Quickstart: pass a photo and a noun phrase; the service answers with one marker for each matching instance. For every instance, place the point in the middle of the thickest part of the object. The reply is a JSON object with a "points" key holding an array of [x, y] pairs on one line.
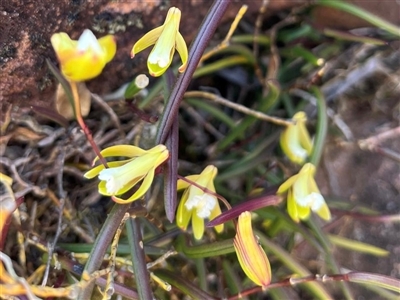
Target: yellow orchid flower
{"points": [[85, 58], [251, 256], [166, 38], [197, 204], [304, 195], [295, 140], [122, 175], [7, 199]]}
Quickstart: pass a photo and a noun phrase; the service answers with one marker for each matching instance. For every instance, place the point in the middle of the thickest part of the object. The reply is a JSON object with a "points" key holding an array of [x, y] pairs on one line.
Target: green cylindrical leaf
{"points": [[205, 250], [357, 246]]}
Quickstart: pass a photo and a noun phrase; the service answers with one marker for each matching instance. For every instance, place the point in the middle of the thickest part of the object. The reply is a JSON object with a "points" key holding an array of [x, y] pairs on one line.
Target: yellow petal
{"points": [[109, 47], [96, 170], [304, 136], [251, 256], [173, 16], [194, 192], [133, 151], [63, 46], [303, 212], [163, 51], [206, 177], [7, 203], [161, 153], [182, 184], [324, 212], [287, 184], [301, 187], [291, 146], [292, 207], [182, 214], [155, 70], [6, 179], [165, 44], [213, 173], [147, 40], [308, 168], [305, 139], [7, 199], [102, 188], [215, 213], [295, 140], [129, 185], [182, 50], [118, 200], [122, 150], [312, 185], [148, 179], [198, 226], [204, 180], [83, 66]]}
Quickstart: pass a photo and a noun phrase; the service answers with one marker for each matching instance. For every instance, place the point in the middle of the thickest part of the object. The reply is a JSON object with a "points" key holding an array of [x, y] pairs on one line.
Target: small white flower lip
{"points": [[87, 41], [317, 201], [190, 203], [298, 151], [203, 204], [113, 185], [313, 200], [303, 201], [158, 59]]}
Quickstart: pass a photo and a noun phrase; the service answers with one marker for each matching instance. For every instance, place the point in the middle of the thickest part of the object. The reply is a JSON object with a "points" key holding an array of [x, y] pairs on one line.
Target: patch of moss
{"points": [[111, 23], [6, 53]]}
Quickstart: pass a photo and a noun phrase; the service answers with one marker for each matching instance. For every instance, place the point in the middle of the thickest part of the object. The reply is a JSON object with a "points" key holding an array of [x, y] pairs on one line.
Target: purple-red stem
{"points": [[196, 51], [81, 122], [360, 277]]}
